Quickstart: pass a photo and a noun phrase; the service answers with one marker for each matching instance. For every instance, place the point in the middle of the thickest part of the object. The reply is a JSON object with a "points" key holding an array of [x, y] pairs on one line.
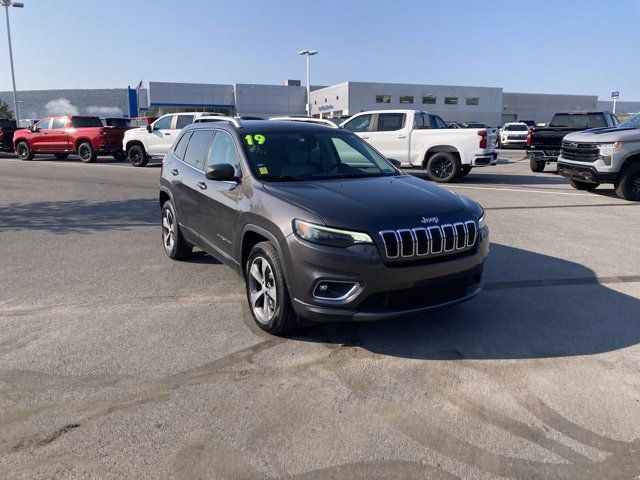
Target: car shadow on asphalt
{"points": [[501, 178], [80, 216], [532, 306]]}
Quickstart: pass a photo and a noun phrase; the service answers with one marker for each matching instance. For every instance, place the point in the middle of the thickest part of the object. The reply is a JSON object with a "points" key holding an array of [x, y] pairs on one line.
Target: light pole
{"points": [[308, 54], [7, 4]]}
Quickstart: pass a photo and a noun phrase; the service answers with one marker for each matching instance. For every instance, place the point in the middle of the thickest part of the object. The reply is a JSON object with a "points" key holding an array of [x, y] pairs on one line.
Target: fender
{"points": [[269, 236]]}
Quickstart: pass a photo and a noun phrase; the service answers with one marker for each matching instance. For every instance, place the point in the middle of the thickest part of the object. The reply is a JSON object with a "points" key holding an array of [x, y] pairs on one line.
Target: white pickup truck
{"points": [[420, 139]]}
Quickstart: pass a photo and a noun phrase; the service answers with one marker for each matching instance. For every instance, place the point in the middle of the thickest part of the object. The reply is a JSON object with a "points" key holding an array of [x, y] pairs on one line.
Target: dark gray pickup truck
{"points": [[544, 143]]}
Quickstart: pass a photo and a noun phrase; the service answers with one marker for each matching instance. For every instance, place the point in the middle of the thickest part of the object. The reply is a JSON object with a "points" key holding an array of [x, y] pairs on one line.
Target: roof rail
{"points": [[317, 121], [219, 118]]}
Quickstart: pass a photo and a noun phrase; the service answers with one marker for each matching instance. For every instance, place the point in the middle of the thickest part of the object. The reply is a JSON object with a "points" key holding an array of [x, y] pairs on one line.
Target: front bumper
{"points": [[384, 291], [585, 173]]}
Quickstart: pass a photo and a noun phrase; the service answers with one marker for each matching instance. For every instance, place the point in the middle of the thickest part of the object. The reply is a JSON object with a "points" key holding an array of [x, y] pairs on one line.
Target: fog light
{"points": [[334, 290], [606, 159]]}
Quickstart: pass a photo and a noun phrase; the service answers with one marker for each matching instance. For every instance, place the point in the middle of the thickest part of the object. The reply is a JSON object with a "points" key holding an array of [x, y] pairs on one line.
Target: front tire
{"points": [[24, 152], [267, 292], [628, 185], [588, 186], [86, 152], [175, 246], [61, 156], [443, 167], [137, 156], [536, 166]]}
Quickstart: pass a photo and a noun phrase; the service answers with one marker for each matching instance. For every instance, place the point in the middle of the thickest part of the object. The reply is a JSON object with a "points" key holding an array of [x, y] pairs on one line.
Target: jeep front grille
{"points": [[419, 242]]}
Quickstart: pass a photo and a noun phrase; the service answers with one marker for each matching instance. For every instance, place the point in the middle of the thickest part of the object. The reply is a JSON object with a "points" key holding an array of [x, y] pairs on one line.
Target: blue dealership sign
{"points": [[615, 94]]}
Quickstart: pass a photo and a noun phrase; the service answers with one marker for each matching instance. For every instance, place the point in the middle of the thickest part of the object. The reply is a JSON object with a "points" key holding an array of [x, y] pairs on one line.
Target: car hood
{"points": [[132, 131], [371, 204], [604, 135]]}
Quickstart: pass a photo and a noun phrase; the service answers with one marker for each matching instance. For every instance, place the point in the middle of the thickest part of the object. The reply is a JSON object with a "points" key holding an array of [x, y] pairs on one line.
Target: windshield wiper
{"points": [[279, 178]]}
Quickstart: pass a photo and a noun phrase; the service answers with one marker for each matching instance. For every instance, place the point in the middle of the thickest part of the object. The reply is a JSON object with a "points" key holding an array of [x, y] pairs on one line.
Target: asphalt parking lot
{"points": [[116, 362]]}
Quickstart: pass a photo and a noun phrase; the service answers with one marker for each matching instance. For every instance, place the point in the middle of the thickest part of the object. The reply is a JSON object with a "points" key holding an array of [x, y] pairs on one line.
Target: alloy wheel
{"points": [[263, 293], [84, 152], [22, 152], [442, 168], [168, 230], [635, 186]]}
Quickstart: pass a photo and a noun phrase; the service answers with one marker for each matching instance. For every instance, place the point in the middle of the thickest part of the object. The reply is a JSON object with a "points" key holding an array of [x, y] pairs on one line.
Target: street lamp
{"points": [[308, 53], [7, 4]]}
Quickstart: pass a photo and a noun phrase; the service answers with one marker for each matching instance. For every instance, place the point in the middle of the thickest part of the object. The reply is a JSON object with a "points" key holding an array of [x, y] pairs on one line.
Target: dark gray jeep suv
{"points": [[318, 223]]}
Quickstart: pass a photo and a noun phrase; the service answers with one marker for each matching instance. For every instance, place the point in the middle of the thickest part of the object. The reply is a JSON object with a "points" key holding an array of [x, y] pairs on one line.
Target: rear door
{"points": [[390, 136], [361, 125], [219, 201], [159, 141], [57, 135]]}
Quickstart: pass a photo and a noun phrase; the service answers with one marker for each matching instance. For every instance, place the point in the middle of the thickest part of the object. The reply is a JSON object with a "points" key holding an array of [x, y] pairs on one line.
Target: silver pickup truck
{"points": [[604, 155]]}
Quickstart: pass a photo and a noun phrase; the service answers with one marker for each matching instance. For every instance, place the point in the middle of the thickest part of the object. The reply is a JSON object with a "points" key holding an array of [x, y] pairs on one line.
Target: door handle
{"points": [[402, 136], [365, 138], [174, 172], [202, 185], [166, 134]]}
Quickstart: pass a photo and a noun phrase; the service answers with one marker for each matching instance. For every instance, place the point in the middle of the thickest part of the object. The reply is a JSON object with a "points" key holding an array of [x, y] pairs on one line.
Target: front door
{"points": [[389, 136], [162, 136], [219, 201], [40, 136]]}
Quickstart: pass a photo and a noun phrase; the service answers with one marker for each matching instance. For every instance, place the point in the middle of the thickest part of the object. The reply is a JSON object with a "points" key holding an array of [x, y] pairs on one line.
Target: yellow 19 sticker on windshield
{"points": [[263, 170], [256, 139]]}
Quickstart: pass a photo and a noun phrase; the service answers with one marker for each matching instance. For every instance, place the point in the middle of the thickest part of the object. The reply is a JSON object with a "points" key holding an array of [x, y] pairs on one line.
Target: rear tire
{"points": [[86, 152], [588, 186], [175, 246], [443, 167], [536, 166], [265, 279], [628, 185], [61, 156], [24, 152], [137, 156], [464, 171]]}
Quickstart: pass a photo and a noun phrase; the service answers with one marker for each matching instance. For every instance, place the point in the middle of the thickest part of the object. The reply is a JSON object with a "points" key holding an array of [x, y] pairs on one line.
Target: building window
{"points": [[325, 100], [473, 101], [383, 98], [337, 97], [450, 100], [406, 99], [429, 99]]}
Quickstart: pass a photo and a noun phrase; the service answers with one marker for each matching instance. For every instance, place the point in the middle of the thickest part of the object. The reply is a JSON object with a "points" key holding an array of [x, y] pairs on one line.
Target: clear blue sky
{"points": [[582, 47]]}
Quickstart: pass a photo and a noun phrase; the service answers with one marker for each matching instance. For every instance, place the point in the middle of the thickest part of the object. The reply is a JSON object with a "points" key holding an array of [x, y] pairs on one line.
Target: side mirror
{"points": [[222, 172], [394, 162], [149, 128], [31, 128]]}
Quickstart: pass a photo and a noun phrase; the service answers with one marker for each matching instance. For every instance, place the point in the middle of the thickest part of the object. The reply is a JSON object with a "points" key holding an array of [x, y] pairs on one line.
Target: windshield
{"points": [[631, 122], [578, 120], [516, 128], [317, 155]]}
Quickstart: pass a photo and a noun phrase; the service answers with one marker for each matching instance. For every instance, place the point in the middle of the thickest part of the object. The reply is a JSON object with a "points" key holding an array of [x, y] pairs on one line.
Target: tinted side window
{"points": [[44, 124], [183, 121], [359, 124], [197, 148], [437, 122], [181, 147], [388, 122], [58, 123], [223, 150], [164, 123], [85, 122], [421, 121]]}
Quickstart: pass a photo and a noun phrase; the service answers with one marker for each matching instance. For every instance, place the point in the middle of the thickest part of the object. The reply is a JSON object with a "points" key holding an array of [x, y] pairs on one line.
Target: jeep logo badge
{"points": [[430, 220]]}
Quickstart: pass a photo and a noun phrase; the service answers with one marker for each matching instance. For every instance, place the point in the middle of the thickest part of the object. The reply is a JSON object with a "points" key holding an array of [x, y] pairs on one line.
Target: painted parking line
{"points": [[524, 190]]}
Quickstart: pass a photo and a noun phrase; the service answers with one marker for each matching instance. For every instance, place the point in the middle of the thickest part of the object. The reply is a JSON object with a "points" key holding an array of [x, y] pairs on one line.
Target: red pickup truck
{"points": [[61, 136]]}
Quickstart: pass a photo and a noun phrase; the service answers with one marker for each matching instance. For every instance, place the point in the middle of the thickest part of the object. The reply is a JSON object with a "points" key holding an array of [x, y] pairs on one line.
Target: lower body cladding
{"points": [[354, 284]]}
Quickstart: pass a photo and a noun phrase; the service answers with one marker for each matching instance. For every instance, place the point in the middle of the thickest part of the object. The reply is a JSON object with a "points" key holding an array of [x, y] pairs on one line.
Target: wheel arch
{"points": [[632, 158], [164, 196], [132, 143], [251, 236], [431, 151], [82, 140]]}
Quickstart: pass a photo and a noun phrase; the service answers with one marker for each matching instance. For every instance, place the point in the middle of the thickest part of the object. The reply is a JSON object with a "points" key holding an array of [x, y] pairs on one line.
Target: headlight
{"points": [[608, 147], [481, 221], [332, 237]]}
